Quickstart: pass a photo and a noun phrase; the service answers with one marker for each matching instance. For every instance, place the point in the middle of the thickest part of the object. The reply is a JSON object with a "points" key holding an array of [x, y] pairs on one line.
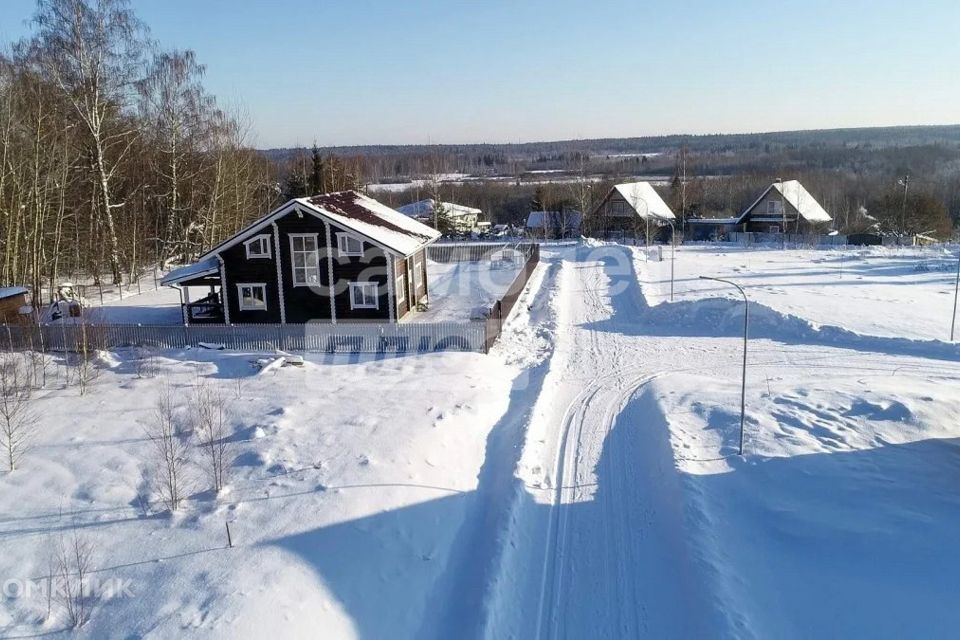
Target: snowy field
{"points": [[892, 292], [580, 481], [350, 486]]}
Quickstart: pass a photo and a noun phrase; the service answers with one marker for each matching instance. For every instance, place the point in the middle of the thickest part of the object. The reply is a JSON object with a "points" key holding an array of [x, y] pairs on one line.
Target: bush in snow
{"points": [[144, 362], [170, 451], [73, 560], [17, 418], [210, 424]]}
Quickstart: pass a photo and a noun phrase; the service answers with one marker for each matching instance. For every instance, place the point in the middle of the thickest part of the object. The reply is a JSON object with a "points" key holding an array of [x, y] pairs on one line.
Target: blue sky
{"points": [[391, 71]]}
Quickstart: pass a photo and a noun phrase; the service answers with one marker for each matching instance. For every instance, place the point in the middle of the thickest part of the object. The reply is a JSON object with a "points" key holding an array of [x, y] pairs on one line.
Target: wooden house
{"points": [[784, 204], [12, 301], [462, 219], [332, 257], [629, 209]]}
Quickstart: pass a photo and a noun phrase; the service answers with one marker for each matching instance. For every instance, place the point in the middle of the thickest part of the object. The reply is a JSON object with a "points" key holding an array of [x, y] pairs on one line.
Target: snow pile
{"points": [[841, 519]]}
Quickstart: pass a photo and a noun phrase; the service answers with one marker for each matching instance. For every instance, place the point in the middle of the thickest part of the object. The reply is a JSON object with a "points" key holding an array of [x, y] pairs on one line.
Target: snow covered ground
{"points": [[634, 517], [351, 483], [580, 481], [458, 290], [159, 306], [883, 291]]}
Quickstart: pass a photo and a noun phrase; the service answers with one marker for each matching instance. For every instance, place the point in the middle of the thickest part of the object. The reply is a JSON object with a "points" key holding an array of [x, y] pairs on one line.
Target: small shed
{"points": [[705, 229], [12, 300]]}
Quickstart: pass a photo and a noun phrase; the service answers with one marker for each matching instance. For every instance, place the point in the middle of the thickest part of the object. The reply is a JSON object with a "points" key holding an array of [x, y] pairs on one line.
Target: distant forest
{"points": [[857, 174]]}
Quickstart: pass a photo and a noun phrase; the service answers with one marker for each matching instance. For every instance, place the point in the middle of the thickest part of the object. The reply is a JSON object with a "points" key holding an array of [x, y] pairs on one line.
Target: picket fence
{"points": [[354, 337]]}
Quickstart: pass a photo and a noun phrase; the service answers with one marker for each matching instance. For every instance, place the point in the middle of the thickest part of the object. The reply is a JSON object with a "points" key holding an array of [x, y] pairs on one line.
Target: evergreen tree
{"points": [[318, 177], [296, 185], [441, 218]]}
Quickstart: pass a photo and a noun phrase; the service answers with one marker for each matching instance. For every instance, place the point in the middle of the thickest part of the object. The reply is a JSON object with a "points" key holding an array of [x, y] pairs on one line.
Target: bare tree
{"points": [[86, 367], [92, 51], [74, 561], [181, 117], [210, 426], [170, 452], [17, 418]]}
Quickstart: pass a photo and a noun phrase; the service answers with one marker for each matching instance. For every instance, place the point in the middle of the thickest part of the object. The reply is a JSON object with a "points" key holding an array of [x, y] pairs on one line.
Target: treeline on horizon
{"points": [[851, 171]]}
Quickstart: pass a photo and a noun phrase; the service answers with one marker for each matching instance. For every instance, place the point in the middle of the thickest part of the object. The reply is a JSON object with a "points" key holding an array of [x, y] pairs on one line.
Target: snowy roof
{"points": [[799, 198], [376, 221], [554, 219], [9, 292], [425, 208], [639, 193], [191, 271]]}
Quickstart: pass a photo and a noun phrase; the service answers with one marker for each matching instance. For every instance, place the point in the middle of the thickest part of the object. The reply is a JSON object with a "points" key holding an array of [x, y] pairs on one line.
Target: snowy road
{"points": [[630, 519], [607, 518]]}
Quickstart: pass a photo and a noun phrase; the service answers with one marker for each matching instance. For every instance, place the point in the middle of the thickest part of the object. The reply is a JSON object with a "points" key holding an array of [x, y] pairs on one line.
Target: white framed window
{"points": [[252, 296], [774, 228], [304, 259], [398, 284], [259, 247], [364, 295], [418, 274], [348, 245]]}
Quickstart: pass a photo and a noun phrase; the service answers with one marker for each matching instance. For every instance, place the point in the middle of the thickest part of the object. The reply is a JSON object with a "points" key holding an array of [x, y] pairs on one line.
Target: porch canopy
{"points": [[205, 273]]}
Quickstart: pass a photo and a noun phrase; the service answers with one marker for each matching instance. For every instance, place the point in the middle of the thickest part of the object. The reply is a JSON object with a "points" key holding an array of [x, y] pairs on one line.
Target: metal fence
{"points": [[793, 239], [501, 309], [354, 337], [473, 251]]}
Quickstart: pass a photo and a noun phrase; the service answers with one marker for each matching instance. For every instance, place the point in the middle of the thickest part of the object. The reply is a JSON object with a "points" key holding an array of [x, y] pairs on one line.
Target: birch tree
{"points": [[92, 52]]}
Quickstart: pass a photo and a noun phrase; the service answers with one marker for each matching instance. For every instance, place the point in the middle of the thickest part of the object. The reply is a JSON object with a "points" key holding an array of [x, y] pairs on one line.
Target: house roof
{"points": [[425, 208], [189, 272], [10, 292], [378, 222], [798, 197], [639, 193], [554, 218]]}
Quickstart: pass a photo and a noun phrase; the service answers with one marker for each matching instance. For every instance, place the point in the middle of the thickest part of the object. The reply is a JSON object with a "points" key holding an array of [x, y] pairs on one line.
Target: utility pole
{"points": [[956, 291], [683, 187], [905, 181], [783, 214]]}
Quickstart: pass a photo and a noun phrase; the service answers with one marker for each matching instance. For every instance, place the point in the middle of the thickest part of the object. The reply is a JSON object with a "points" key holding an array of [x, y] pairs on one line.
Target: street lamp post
{"points": [[746, 328], [783, 215], [956, 290], [673, 253]]}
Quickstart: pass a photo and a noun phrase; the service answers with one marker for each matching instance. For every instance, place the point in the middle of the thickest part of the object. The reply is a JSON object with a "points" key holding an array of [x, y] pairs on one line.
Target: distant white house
{"points": [[784, 203], [626, 207], [462, 218], [554, 224]]}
